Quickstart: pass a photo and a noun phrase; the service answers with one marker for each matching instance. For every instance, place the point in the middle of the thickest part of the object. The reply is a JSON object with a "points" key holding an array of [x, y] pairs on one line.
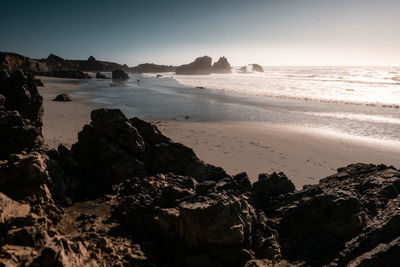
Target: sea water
{"points": [[359, 102]]}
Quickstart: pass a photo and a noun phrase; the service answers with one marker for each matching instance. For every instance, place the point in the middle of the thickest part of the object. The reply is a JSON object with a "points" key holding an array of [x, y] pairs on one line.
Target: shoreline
{"points": [[254, 147]]}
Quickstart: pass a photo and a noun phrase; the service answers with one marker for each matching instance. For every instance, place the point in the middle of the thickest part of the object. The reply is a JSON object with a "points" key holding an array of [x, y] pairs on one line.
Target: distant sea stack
{"points": [[221, 66], [251, 68], [152, 68], [201, 66], [119, 75]]}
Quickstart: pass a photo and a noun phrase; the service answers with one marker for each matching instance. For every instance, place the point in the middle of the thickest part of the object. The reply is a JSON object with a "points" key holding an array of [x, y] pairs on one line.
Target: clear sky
{"points": [[275, 32]]}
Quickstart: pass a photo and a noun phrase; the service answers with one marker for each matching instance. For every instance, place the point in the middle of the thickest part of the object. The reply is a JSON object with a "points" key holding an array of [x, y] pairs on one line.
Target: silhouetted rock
{"points": [[152, 68], [71, 74], [20, 114], [62, 98], [100, 76], [91, 59], [221, 66], [202, 65], [119, 75], [251, 68]]}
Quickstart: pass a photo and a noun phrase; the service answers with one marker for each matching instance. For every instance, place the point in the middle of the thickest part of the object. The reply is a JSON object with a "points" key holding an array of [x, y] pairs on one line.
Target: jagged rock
{"points": [[56, 63], [100, 76], [91, 59], [201, 66], [20, 114], [161, 155], [11, 212], [222, 227], [109, 148], [62, 98], [272, 185], [25, 177], [221, 66], [119, 75], [345, 216]]}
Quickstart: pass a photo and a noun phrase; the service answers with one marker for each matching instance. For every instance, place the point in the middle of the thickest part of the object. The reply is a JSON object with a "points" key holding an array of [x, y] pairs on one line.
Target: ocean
{"points": [[352, 102]]}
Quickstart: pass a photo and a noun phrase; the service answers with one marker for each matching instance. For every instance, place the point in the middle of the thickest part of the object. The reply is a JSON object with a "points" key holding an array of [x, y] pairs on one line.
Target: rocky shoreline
{"points": [[126, 195]]}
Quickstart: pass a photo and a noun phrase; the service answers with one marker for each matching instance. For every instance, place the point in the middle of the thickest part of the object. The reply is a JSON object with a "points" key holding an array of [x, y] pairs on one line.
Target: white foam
{"points": [[354, 85]]}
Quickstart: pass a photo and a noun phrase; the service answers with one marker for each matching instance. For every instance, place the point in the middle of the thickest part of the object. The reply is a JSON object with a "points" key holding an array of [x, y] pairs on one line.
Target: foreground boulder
{"points": [[119, 75], [348, 217], [193, 224], [107, 159], [201, 66], [221, 66]]}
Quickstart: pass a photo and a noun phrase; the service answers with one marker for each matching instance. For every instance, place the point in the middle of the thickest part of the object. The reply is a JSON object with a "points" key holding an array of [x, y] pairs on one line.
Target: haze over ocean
{"points": [[306, 32]]}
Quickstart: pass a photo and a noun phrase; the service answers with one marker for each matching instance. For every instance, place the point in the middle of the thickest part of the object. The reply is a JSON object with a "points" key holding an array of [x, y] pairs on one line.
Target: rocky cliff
{"points": [[53, 63], [126, 195]]}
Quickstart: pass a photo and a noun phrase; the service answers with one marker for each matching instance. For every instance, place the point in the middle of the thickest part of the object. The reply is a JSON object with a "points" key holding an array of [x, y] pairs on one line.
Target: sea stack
{"points": [[201, 66], [119, 75], [221, 66], [251, 68]]}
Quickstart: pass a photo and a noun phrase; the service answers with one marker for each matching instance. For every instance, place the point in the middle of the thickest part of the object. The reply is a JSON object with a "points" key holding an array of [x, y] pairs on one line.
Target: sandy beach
{"points": [[63, 120], [254, 147]]}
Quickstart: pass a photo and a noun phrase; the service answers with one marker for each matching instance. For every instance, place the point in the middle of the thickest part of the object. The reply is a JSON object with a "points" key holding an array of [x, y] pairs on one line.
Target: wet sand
{"points": [[255, 147]]}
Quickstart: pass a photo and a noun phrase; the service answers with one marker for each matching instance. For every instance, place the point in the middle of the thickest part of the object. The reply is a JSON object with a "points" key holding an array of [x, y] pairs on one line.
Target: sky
{"points": [[267, 32]]}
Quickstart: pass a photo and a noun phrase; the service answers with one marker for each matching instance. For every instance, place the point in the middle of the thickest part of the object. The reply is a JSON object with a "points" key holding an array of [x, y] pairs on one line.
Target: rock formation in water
{"points": [[119, 75], [100, 76], [221, 66], [126, 195], [152, 68], [201, 66], [251, 68]]}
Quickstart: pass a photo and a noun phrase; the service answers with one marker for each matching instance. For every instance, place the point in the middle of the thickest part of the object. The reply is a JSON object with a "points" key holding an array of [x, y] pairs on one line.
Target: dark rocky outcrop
{"points": [[56, 63], [62, 98], [251, 68], [201, 66], [152, 68], [70, 74], [20, 113], [126, 195], [100, 76], [46, 66], [221, 66], [119, 75], [12, 62]]}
